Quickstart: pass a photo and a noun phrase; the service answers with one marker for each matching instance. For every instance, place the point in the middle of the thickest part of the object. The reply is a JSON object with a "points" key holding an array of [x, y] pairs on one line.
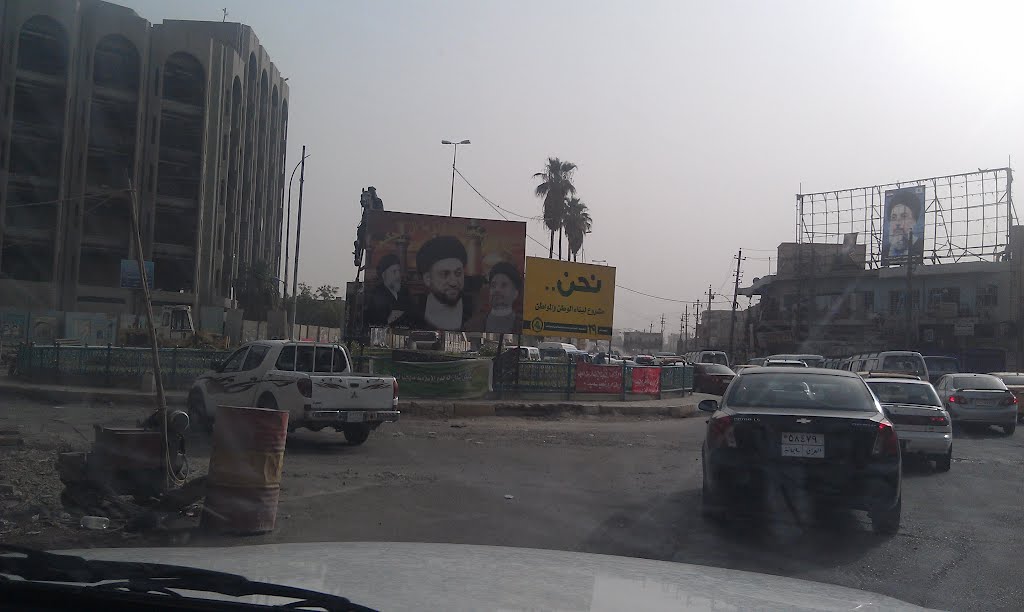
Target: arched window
{"points": [[43, 47], [184, 80], [116, 64]]}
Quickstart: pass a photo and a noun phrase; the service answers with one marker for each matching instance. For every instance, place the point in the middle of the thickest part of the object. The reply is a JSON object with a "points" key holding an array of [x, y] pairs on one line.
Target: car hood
{"points": [[407, 576]]}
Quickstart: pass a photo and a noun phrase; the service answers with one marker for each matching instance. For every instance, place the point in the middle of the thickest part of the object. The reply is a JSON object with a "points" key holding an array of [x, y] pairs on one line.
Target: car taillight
{"points": [[394, 389], [886, 442], [721, 433], [938, 420], [305, 387], [1010, 401], [957, 399]]}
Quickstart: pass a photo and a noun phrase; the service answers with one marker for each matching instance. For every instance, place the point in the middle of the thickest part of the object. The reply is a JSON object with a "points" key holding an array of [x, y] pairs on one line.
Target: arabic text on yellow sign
{"points": [[568, 299]]}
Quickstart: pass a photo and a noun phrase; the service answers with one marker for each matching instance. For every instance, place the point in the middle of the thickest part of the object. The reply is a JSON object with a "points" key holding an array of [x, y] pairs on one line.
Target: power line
{"points": [[491, 202]]}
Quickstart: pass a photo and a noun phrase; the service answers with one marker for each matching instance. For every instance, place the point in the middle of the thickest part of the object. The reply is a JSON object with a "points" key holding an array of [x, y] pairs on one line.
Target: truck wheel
{"points": [[267, 401], [197, 413], [356, 434]]}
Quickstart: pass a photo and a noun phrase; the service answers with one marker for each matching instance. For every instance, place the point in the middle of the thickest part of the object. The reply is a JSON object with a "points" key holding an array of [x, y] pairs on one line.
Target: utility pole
{"points": [[711, 296], [684, 328], [735, 296], [909, 301], [298, 236], [696, 321]]}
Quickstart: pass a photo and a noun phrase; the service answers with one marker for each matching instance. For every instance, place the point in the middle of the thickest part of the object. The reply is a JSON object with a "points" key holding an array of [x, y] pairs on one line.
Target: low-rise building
{"points": [[824, 300]]}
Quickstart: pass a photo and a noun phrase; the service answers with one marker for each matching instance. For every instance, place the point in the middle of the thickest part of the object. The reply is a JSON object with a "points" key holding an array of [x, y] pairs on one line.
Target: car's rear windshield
{"points": [[978, 382], [799, 390], [941, 365], [714, 368], [1013, 380], [718, 358], [904, 393], [911, 364]]}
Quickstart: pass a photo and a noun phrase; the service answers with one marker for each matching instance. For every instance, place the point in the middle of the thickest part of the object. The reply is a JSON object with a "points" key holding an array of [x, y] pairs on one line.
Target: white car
{"points": [[922, 423], [313, 382]]}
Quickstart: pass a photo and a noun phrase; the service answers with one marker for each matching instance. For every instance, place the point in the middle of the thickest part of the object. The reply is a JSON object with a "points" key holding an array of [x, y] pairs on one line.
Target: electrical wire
{"points": [[499, 209]]}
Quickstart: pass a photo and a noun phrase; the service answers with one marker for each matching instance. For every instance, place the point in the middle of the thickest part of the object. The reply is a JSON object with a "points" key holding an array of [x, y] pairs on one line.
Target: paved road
{"points": [[628, 487]]}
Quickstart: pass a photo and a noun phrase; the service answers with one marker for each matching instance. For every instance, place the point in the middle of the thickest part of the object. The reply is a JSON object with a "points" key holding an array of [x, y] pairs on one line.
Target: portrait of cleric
{"points": [[903, 225], [444, 273]]}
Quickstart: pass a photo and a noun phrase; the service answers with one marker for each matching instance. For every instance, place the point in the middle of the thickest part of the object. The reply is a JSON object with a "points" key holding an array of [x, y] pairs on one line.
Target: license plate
{"points": [[354, 417], [986, 402], [809, 445]]}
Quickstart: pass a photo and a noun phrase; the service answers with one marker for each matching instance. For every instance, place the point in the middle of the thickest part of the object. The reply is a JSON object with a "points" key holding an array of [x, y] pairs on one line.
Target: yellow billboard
{"points": [[568, 299]]}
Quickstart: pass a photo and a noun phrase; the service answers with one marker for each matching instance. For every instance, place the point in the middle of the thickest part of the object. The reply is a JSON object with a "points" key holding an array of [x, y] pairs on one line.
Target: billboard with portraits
{"points": [[903, 225], [443, 273]]}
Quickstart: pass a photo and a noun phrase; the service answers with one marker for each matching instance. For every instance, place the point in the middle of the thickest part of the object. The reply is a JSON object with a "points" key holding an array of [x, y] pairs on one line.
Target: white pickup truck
{"points": [[314, 382]]}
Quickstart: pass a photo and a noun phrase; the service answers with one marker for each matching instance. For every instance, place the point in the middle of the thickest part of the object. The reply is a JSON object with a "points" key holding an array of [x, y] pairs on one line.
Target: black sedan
{"points": [[711, 378], [805, 433]]}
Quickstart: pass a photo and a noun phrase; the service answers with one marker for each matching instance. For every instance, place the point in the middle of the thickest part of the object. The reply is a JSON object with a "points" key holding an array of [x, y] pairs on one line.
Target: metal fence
{"points": [[560, 377], [109, 366]]}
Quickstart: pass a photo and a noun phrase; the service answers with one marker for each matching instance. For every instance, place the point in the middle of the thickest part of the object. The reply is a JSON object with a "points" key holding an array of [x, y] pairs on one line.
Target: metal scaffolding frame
{"points": [[967, 216]]}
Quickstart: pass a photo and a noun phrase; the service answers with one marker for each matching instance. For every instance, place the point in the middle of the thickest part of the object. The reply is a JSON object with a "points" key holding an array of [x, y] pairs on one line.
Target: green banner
{"points": [[463, 379]]}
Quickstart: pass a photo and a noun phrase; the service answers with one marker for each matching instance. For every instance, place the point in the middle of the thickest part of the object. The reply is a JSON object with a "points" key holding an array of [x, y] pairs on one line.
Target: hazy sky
{"points": [[693, 123]]}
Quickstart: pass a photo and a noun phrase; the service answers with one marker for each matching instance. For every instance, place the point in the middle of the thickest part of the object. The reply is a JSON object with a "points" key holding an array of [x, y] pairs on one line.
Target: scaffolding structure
{"points": [[967, 216]]}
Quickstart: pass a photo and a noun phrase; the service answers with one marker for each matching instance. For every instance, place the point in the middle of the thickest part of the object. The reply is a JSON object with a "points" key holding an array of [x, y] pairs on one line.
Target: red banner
{"points": [[646, 380], [592, 378]]}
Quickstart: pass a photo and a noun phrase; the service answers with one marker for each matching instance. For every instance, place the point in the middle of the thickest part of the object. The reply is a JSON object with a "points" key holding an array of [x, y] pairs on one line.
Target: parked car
{"points": [[784, 363], [1014, 381], [645, 360], [817, 429], [711, 378], [708, 356], [812, 361], [980, 399], [908, 362], [915, 410], [939, 365], [757, 361], [314, 382]]}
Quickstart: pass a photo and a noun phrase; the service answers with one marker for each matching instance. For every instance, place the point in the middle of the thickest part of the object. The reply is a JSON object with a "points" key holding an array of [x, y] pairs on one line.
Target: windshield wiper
{"points": [[136, 577]]}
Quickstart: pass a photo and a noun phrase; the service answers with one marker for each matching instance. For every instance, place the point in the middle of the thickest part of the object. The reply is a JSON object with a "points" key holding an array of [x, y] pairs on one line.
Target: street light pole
{"points": [[288, 228], [298, 235], [455, 155]]}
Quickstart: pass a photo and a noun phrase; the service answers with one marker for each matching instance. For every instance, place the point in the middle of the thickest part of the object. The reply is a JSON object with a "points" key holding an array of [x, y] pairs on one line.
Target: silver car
{"points": [[922, 423], [979, 398]]}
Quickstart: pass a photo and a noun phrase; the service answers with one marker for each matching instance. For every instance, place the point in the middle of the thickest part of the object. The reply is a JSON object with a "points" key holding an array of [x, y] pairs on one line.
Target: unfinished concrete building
{"points": [[193, 113]]}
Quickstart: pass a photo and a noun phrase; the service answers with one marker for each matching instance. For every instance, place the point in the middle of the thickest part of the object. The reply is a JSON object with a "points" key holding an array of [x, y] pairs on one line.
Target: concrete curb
{"points": [[69, 395], [677, 407], [468, 409]]}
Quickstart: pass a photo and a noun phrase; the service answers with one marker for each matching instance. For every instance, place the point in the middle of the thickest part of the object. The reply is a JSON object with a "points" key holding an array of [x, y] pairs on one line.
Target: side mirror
{"points": [[708, 405]]}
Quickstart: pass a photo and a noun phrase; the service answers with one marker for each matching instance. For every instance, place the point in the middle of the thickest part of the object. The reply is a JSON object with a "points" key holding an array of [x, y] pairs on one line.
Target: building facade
{"points": [[824, 302], [97, 103]]}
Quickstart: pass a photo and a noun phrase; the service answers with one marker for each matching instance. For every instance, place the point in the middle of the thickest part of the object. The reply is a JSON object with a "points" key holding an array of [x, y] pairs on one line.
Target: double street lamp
{"points": [[451, 203]]}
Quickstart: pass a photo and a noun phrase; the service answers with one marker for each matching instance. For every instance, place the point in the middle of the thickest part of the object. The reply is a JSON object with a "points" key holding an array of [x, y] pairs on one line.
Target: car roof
{"points": [[913, 381], [1002, 373], [795, 370]]}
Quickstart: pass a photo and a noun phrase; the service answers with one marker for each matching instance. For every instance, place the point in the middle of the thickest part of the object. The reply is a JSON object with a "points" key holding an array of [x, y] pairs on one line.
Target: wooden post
{"points": [[161, 399]]}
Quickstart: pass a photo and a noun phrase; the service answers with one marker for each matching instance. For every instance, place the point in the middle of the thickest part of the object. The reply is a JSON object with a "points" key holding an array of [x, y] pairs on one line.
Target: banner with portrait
{"points": [[429, 272], [568, 299], [903, 225]]}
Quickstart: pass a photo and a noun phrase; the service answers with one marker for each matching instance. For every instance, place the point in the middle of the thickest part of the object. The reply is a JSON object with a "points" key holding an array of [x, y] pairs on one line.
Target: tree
{"points": [[577, 224], [556, 185], [256, 289], [320, 307]]}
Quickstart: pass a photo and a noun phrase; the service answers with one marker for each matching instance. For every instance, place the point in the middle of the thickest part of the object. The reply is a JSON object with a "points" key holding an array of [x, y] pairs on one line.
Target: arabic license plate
{"points": [[986, 403], [354, 417], [809, 445]]}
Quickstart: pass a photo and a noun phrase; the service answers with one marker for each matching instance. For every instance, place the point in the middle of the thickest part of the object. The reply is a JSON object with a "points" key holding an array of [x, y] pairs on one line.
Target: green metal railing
{"points": [[111, 366]]}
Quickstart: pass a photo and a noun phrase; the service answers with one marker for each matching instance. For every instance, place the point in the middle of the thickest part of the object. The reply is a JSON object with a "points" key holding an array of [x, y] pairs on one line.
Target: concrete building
{"points": [[825, 301], [194, 112]]}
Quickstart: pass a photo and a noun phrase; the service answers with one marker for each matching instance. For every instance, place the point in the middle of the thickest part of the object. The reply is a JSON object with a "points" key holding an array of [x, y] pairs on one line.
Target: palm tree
{"points": [[555, 187], [577, 224]]}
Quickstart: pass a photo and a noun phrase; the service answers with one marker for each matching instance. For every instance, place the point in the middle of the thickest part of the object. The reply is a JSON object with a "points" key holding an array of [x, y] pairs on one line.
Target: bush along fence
{"points": [[111, 366]]}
